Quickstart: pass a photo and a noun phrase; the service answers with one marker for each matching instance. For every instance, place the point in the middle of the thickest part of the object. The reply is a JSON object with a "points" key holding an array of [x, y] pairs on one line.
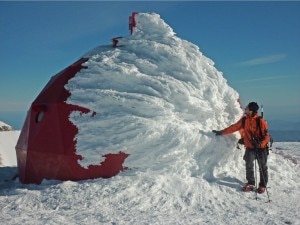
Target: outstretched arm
{"points": [[233, 128]]}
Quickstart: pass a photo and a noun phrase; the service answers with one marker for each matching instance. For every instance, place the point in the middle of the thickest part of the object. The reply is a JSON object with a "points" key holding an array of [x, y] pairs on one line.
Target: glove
{"points": [[217, 132]]}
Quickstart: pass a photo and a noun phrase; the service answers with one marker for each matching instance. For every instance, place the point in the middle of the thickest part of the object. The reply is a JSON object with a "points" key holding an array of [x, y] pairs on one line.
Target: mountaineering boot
{"points": [[248, 187], [261, 189]]}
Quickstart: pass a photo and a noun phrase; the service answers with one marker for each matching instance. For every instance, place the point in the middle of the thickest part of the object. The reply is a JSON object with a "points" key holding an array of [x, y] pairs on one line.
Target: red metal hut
{"points": [[46, 148]]}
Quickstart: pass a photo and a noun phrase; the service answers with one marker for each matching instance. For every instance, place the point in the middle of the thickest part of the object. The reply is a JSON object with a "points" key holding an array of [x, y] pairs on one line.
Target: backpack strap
{"points": [[243, 121], [258, 125]]}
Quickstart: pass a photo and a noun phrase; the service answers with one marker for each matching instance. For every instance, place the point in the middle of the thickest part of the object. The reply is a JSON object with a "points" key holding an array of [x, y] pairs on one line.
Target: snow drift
{"points": [[5, 127], [148, 97], [157, 98], [8, 141]]}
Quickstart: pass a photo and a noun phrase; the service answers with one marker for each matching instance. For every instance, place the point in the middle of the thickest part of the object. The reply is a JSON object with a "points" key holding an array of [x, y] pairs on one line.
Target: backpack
{"points": [[241, 140]]}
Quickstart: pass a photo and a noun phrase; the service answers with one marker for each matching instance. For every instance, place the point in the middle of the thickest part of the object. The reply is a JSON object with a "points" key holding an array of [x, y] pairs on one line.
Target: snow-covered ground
{"points": [[8, 140], [157, 98], [209, 194]]}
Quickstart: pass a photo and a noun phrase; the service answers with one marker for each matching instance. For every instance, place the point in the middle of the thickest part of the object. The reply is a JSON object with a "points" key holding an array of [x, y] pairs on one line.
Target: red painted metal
{"points": [[132, 22], [46, 146]]}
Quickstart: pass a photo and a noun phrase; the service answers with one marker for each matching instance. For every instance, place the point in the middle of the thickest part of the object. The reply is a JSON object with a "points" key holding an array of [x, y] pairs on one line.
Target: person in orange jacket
{"points": [[256, 138]]}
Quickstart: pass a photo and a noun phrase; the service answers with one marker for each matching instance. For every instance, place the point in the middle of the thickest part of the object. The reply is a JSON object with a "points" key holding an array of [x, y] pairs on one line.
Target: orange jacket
{"points": [[251, 130]]}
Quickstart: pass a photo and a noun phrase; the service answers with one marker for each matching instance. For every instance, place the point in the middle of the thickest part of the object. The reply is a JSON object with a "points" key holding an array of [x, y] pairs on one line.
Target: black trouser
{"points": [[262, 156]]}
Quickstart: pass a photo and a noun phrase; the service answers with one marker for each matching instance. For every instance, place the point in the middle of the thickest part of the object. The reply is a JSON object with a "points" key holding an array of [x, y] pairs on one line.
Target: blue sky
{"points": [[254, 44]]}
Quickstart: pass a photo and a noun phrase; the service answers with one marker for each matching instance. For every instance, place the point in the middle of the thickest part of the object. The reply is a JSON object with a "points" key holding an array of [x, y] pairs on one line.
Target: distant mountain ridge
{"points": [[285, 135], [284, 131], [5, 127], [284, 125], [8, 140]]}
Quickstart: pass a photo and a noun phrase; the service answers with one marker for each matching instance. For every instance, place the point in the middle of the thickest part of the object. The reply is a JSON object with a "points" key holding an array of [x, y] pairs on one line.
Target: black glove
{"points": [[217, 132]]}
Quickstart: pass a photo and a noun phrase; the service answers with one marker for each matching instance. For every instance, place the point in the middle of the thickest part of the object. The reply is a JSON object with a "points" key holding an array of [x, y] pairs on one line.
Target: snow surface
{"points": [[152, 94], [3, 124], [8, 140], [156, 97], [152, 196]]}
